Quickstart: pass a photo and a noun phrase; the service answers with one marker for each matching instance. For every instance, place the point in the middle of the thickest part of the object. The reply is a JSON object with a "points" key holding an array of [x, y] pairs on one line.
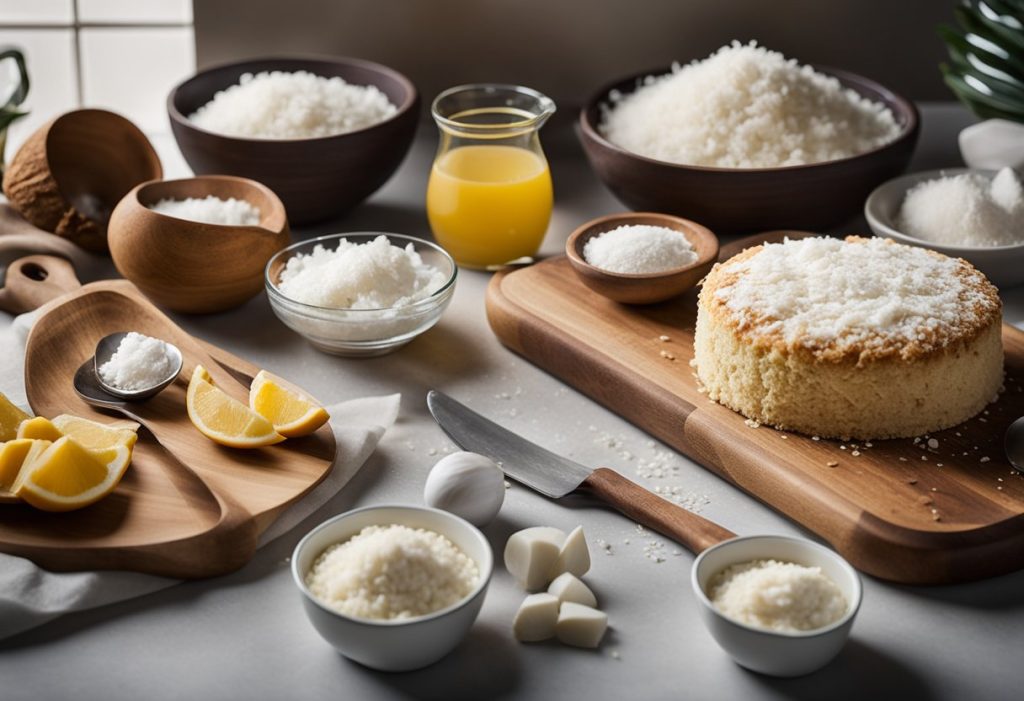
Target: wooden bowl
{"points": [[191, 266], [651, 287], [316, 178], [68, 176], [732, 200]]}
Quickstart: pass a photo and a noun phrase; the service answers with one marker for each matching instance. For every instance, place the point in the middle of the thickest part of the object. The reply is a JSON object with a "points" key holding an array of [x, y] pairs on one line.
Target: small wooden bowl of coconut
{"points": [[198, 245], [68, 176], [641, 257]]}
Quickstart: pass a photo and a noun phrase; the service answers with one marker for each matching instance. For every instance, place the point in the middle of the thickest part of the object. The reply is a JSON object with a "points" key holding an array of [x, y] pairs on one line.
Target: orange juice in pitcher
{"points": [[489, 197]]}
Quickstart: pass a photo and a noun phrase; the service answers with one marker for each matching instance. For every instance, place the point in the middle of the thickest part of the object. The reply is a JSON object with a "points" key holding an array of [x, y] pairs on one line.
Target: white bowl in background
{"points": [[1003, 265], [394, 645], [770, 652]]}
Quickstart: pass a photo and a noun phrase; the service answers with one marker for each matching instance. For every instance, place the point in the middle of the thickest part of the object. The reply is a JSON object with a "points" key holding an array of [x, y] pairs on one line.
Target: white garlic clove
{"points": [[536, 618], [574, 556], [579, 625], [569, 587], [468, 485], [532, 553]]}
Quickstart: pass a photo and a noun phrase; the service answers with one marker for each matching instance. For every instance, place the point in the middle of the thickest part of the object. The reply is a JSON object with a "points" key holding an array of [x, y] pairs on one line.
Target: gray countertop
{"points": [[245, 635]]}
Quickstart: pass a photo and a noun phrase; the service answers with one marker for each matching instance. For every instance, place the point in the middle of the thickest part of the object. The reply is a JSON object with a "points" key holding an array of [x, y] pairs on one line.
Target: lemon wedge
{"points": [[40, 428], [10, 418], [292, 413], [223, 419], [14, 454], [97, 436], [67, 475]]}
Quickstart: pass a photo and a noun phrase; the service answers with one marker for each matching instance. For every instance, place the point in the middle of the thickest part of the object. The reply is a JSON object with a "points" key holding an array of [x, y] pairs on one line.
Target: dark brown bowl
{"points": [[731, 200], [316, 178], [648, 288]]}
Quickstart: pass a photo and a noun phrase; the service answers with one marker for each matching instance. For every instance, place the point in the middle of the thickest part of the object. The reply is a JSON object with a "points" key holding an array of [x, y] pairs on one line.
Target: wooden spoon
{"points": [[187, 507]]}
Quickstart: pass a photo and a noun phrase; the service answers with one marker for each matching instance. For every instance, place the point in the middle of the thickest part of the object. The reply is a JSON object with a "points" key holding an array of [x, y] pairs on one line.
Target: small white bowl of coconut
{"points": [[977, 215]]}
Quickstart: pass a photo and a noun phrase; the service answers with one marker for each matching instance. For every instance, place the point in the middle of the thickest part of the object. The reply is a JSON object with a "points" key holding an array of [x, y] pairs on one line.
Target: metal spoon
{"points": [[1013, 444], [107, 347], [87, 386]]}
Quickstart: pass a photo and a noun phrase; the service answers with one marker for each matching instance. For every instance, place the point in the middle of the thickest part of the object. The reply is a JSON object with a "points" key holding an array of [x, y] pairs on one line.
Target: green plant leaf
{"points": [[997, 11], [21, 91], [972, 91], [981, 110], [1010, 90], [960, 47], [9, 116], [1010, 39], [1015, 6]]}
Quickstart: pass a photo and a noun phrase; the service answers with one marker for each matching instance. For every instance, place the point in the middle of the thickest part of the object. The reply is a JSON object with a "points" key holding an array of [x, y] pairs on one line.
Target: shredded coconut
{"points": [[639, 249], [372, 275], [779, 596], [862, 295], [746, 107], [210, 210], [392, 572], [138, 363], [300, 105], [966, 210]]}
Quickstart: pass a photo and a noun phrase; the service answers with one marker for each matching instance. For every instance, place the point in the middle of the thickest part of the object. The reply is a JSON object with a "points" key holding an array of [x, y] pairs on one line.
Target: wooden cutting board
{"points": [[897, 510], [186, 507]]}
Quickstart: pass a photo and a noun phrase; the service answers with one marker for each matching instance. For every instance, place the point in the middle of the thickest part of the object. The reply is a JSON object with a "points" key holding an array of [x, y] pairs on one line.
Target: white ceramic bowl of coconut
{"points": [[977, 215], [394, 587]]}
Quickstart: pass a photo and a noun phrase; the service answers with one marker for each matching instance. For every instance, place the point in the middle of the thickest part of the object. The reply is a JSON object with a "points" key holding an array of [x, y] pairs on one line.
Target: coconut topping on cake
{"points": [[861, 297]]}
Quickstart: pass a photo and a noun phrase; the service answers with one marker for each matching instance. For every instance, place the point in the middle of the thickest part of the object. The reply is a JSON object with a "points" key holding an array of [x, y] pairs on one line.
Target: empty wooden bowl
{"points": [[650, 287], [737, 200], [68, 176], [191, 266], [316, 178]]}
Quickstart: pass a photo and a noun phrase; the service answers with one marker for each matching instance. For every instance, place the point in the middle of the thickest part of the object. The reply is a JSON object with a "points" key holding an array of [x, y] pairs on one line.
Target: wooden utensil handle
{"points": [[33, 281], [694, 532]]}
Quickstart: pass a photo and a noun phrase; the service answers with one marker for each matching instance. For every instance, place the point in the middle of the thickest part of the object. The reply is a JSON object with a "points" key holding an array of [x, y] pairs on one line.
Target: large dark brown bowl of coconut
{"points": [[322, 133], [746, 140]]}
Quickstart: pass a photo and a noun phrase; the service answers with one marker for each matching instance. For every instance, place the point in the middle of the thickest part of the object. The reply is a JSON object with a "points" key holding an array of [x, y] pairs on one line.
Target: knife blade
{"points": [[526, 462], [555, 476]]}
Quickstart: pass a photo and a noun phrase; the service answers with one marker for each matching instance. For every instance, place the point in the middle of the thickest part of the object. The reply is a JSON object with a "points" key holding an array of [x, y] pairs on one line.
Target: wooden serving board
{"points": [[186, 507], [897, 510]]}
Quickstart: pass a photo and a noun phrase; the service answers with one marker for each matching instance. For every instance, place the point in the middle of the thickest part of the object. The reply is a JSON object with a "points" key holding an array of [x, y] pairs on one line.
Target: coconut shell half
{"points": [[71, 173]]}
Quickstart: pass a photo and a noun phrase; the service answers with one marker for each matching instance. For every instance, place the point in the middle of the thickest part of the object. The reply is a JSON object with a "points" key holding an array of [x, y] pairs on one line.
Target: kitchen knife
{"points": [[555, 476]]}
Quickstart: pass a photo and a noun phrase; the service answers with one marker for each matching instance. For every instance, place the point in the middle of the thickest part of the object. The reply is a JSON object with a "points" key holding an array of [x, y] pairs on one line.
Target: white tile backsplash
{"points": [[131, 70], [50, 57], [36, 12], [135, 11]]}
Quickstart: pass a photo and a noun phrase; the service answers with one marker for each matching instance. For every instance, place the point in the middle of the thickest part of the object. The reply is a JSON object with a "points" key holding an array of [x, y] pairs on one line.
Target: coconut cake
{"points": [[856, 338]]}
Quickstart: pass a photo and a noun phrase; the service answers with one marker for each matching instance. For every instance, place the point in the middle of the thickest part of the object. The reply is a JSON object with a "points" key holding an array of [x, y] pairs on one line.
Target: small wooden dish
{"points": [[646, 288], [191, 266]]}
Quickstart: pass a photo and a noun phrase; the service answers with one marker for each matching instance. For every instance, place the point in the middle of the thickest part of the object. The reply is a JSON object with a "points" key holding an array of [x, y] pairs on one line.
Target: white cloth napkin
{"points": [[30, 596]]}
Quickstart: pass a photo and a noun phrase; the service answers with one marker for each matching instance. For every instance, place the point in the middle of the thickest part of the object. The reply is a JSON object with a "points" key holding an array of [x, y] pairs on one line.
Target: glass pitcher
{"points": [[489, 197]]}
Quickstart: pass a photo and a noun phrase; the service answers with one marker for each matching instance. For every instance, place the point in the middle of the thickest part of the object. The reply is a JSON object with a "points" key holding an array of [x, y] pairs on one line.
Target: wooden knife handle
{"points": [[694, 532]]}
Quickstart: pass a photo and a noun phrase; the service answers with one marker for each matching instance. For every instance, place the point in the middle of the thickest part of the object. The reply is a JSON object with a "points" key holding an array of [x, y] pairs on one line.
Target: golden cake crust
{"points": [[980, 311], [877, 383]]}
